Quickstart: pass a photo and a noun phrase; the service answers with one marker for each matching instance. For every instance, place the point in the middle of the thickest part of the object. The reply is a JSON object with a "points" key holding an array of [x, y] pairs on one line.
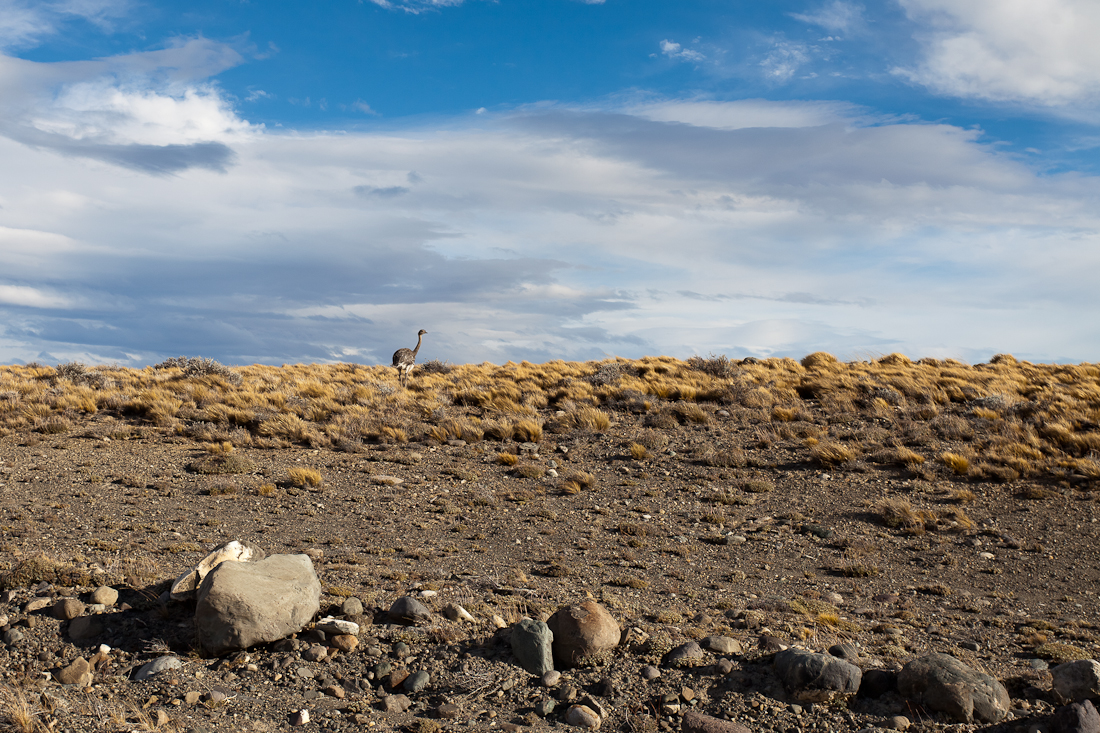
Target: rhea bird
{"points": [[405, 359]]}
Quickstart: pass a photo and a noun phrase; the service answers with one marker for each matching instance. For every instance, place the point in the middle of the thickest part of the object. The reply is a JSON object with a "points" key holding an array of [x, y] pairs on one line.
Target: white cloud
{"points": [[1044, 53], [837, 17], [416, 6], [784, 60], [684, 226], [676, 51], [32, 297]]}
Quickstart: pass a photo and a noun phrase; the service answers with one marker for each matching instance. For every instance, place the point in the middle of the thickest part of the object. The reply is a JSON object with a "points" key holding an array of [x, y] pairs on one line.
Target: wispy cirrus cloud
{"points": [[836, 17], [416, 6]]}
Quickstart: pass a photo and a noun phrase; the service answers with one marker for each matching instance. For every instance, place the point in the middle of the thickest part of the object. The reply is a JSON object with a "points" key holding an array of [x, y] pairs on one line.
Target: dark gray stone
{"points": [[941, 682], [532, 643], [877, 682], [803, 671], [846, 651], [684, 655], [1078, 717], [417, 681], [408, 610], [695, 722], [241, 604]]}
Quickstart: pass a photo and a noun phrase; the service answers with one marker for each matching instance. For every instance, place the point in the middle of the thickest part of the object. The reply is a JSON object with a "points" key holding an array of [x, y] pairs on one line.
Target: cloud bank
{"points": [[142, 217]]}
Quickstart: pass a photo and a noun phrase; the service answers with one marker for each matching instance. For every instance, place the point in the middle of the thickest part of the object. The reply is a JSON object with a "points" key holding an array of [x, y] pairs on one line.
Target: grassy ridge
{"points": [[1002, 420]]}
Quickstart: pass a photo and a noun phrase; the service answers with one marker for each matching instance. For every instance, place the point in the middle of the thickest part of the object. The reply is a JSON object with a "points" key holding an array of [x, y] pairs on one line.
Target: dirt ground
{"points": [[778, 551]]}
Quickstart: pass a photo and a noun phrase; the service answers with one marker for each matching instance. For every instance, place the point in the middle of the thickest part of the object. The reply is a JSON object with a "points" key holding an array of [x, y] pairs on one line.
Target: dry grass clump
{"points": [[899, 513], [726, 458], [832, 454], [507, 459], [959, 464], [590, 418], [638, 451], [527, 431], [39, 568], [303, 477]]}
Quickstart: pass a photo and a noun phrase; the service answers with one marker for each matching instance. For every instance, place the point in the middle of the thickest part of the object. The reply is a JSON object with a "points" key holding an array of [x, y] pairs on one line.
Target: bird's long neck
{"points": [[419, 336]]}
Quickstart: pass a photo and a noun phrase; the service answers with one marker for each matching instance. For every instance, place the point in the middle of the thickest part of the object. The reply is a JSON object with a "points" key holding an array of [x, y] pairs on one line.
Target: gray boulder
{"points": [[685, 655], [807, 674], [1077, 681], [241, 604], [941, 682], [532, 643], [583, 632]]}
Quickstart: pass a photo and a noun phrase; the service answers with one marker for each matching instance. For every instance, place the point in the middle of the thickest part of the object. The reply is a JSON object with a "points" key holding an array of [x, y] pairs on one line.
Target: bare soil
{"points": [[777, 551]]}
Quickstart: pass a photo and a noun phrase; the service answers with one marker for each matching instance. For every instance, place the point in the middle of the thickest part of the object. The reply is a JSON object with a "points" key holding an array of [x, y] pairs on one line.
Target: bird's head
{"points": [[421, 332]]}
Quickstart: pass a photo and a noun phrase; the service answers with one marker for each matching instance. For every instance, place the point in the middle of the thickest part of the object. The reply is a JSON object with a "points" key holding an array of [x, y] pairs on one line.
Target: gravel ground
{"points": [[778, 551]]}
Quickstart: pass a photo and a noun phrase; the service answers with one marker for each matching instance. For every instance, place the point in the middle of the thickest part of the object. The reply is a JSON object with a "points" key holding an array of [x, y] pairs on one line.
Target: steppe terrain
{"points": [[901, 506]]}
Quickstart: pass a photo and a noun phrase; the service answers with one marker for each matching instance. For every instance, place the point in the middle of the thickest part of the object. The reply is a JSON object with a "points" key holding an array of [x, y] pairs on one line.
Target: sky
{"points": [[276, 182]]}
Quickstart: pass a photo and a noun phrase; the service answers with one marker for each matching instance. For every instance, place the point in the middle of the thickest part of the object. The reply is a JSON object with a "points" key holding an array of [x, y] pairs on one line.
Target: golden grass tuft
{"points": [[303, 477], [959, 464], [638, 452], [507, 459], [832, 454]]}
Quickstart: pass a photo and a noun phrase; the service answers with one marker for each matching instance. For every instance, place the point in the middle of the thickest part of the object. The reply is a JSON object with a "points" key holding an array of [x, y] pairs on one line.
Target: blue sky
{"points": [[277, 182]]}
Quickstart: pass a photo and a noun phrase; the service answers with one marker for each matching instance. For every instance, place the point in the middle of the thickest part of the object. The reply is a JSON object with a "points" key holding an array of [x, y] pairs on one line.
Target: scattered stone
{"points": [[351, 607], [725, 666], [941, 682], [37, 604], [408, 610], [684, 655], [898, 723], [448, 711], [300, 717], [345, 642], [1078, 717], [551, 678], [846, 651], [334, 691], [455, 612], [567, 693], [192, 697], [106, 595], [721, 645], [498, 622], [216, 696], [158, 665], [398, 677], [544, 708], [417, 681], [582, 716], [532, 644], [79, 673], [695, 722], [84, 628], [583, 632], [805, 673], [187, 585], [337, 626], [972, 646], [1077, 681], [67, 609], [649, 672], [396, 703], [315, 653]]}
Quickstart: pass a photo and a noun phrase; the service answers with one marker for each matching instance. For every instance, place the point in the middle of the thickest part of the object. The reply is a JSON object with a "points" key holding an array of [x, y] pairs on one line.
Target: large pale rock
{"points": [[805, 673], [158, 665], [187, 584], [583, 632], [79, 673], [582, 716], [941, 682], [532, 643], [1077, 681], [241, 604]]}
